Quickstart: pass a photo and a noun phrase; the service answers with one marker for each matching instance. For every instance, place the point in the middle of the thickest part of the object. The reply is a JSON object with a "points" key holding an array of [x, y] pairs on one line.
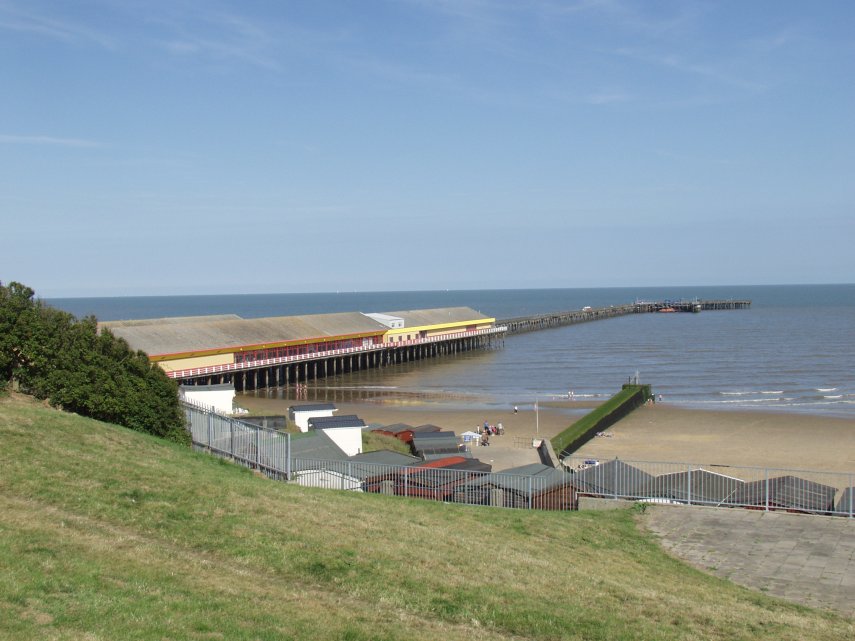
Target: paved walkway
{"points": [[802, 558]]}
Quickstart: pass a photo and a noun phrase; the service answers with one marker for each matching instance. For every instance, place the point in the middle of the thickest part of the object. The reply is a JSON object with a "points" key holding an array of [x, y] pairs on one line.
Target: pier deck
{"points": [[558, 319]]}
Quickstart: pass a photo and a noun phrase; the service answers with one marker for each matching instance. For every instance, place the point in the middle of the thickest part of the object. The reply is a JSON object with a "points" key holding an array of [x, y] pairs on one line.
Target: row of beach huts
{"points": [[441, 467], [325, 450]]}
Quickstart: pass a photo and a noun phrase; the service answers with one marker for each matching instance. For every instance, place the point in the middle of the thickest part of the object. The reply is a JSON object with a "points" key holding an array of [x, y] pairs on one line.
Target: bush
{"points": [[53, 355]]}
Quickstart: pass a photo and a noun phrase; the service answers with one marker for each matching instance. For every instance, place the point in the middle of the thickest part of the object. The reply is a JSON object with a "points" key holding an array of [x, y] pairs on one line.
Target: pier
{"points": [[536, 322]]}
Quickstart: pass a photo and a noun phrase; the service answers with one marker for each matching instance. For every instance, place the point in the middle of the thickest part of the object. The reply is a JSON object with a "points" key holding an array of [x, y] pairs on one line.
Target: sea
{"points": [[793, 351]]}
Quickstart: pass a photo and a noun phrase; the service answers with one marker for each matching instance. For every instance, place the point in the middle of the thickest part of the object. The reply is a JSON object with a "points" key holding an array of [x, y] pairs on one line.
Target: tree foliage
{"points": [[53, 355]]}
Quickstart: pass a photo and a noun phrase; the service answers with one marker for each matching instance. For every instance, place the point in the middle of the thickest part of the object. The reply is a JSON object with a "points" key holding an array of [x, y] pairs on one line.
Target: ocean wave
{"points": [[780, 391], [834, 397], [826, 389]]}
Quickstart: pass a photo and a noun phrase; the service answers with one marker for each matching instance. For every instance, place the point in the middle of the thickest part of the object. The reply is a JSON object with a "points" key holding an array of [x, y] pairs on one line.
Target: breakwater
{"points": [[559, 319]]}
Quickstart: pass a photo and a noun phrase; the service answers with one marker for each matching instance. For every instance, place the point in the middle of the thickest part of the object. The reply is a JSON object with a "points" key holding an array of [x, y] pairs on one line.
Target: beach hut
{"points": [[431, 444], [317, 461], [401, 431], [535, 486], [425, 480], [299, 415], [695, 487], [789, 493], [614, 479], [345, 430]]}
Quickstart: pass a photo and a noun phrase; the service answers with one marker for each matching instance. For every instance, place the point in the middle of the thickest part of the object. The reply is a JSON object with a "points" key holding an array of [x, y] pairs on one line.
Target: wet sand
{"points": [[651, 433]]}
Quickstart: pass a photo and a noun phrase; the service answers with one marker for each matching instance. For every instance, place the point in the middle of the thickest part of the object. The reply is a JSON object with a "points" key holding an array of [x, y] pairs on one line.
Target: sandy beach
{"points": [[651, 433]]}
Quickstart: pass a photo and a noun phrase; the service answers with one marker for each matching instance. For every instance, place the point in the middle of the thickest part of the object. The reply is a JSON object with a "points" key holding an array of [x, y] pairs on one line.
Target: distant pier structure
{"points": [[536, 322]]}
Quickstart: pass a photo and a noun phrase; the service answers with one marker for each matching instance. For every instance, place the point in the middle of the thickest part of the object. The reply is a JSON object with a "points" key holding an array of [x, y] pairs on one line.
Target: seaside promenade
{"points": [[803, 558]]}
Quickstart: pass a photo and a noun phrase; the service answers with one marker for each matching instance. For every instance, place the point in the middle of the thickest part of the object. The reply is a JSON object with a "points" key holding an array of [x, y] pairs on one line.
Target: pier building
{"points": [[268, 352]]}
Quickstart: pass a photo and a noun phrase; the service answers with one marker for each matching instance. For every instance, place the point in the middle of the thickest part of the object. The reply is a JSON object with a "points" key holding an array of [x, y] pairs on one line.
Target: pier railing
{"points": [[227, 368]]}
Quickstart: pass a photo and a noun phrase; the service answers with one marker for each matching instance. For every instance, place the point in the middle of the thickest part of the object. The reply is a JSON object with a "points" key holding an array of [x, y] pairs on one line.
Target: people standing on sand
{"points": [[516, 409], [500, 429]]}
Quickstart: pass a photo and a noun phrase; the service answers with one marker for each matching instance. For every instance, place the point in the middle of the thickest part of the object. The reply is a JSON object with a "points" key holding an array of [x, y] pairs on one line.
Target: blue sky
{"points": [[190, 147]]}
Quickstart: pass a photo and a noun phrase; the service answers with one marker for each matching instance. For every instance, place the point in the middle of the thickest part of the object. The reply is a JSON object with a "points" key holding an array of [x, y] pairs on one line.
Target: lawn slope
{"points": [[111, 534]]}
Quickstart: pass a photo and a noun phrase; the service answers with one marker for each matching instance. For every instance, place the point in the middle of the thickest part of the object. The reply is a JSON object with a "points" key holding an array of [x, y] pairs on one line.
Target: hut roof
{"points": [[427, 428], [385, 457], [312, 407], [314, 446], [395, 428], [698, 486], [789, 492], [435, 443], [330, 422], [611, 477]]}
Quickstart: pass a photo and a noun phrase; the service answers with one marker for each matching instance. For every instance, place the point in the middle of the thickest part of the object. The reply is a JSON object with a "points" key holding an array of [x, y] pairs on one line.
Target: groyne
{"points": [[536, 322], [601, 418]]}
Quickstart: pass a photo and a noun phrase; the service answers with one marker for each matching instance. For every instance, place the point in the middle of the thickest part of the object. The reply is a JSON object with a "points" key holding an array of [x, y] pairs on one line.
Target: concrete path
{"points": [[803, 558]]}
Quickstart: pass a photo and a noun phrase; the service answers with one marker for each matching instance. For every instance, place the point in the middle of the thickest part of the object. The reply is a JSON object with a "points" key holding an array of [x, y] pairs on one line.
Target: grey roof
{"points": [[516, 479], [425, 436], [422, 317], [445, 442], [330, 422], [438, 455], [789, 492], [314, 446], [427, 428], [471, 465], [312, 407], [395, 428], [163, 336], [385, 457], [612, 477], [371, 464], [160, 336], [697, 486]]}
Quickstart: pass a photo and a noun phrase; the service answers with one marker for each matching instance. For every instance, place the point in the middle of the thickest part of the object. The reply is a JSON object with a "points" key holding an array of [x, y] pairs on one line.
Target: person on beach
{"points": [[516, 409]]}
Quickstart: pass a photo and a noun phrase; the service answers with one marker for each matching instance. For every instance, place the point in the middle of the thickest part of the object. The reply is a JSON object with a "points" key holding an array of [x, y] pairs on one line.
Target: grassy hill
{"points": [[110, 534]]}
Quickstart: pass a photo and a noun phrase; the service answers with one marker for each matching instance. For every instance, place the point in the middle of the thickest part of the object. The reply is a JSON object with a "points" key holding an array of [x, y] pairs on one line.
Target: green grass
{"points": [[372, 441], [110, 534]]}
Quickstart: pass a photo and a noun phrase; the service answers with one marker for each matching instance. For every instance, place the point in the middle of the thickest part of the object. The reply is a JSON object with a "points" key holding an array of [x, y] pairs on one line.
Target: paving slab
{"points": [[800, 557]]}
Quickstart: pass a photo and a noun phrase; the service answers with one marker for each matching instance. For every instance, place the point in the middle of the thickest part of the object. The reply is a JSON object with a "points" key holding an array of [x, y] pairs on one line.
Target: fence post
{"points": [[851, 495], [232, 438], [689, 477], [210, 429], [616, 478], [288, 457], [257, 448], [530, 497], [766, 501]]}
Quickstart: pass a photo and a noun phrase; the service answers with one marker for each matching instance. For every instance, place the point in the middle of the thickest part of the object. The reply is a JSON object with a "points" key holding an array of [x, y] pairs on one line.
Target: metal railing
{"points": [[759, 488], [269, 452]]}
